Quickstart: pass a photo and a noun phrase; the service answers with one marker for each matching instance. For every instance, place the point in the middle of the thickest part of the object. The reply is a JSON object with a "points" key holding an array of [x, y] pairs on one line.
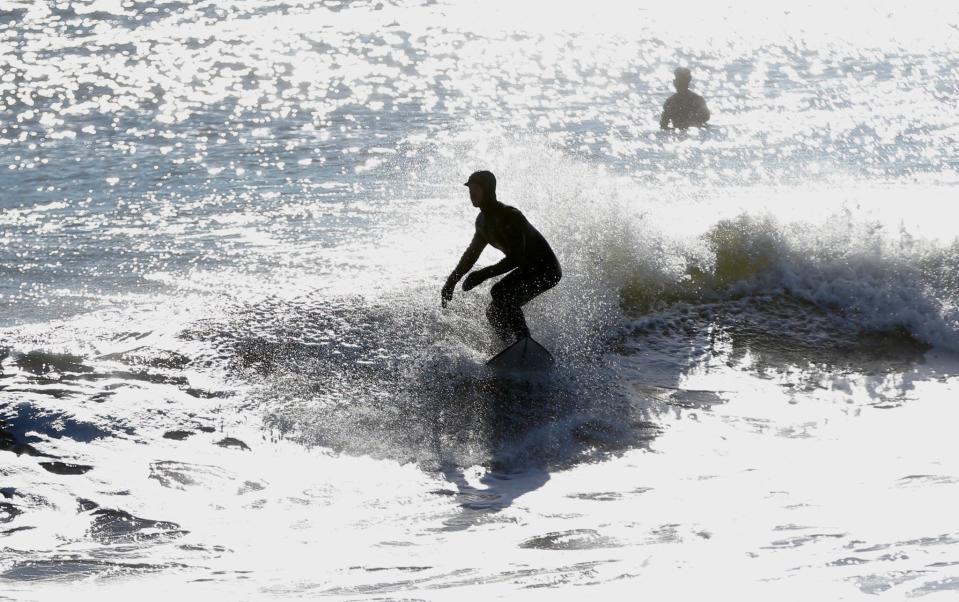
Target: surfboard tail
{"points": [[524, 354]]}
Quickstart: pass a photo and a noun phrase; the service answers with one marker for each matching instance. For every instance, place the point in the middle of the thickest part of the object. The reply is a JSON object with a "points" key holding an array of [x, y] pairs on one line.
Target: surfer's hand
{"points": [[447, 292], [473, 280]]}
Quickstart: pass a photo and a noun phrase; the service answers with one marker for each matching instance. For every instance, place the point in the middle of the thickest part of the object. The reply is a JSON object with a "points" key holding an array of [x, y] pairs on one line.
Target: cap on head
{"points": [[485, 180], [683, 75]]}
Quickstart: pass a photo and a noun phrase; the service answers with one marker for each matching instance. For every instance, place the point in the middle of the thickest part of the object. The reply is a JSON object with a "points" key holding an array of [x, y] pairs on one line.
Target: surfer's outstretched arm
{"points": [[501, 267], [466, 262]]}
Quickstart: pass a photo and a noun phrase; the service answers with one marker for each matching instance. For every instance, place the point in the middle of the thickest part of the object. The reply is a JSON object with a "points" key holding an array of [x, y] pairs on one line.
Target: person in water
{"points": [[685, 108], [531, 265]]}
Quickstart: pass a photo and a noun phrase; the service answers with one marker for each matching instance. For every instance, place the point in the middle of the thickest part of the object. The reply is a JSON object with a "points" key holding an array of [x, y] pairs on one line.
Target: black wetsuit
{"points": [[531, 263], [684, 109]]}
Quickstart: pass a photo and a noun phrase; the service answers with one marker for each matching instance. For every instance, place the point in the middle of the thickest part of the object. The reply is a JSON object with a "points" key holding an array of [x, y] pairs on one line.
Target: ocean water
{"points": [[224, 369]]}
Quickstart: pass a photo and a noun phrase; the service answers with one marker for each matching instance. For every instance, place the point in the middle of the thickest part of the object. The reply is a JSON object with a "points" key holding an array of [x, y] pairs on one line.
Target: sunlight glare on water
{"points": [[224, 369]]}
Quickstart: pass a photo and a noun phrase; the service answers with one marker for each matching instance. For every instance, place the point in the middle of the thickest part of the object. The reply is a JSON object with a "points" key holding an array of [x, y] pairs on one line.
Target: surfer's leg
{"points": [[502, 318], [510, 294], [504, 313], [533, 284]]}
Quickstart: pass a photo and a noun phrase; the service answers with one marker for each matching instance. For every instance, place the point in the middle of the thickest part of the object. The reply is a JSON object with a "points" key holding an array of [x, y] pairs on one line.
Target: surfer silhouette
{"points": [[685, 108], [530, 265]]}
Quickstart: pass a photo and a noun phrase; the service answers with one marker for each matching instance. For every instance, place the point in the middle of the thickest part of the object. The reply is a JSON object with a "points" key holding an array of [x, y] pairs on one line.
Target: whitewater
{"points": [[225, 370]]}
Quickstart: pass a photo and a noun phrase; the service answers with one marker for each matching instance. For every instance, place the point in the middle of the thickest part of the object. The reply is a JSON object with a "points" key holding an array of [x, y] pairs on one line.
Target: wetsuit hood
{"points": [[485, 180]]}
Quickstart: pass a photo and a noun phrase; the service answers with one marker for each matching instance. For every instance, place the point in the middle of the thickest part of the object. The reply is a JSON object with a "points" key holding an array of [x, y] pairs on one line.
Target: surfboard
{"points": [[522, 356]]}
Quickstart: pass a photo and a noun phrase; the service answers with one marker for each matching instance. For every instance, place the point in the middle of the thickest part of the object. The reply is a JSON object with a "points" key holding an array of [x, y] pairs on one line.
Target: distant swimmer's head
{"points": [[681, 80], [482, 185]]}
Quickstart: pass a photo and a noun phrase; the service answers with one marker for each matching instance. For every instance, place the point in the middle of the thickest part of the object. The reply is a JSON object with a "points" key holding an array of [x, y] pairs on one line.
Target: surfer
{"points": [[531, 265], [685, 108]]}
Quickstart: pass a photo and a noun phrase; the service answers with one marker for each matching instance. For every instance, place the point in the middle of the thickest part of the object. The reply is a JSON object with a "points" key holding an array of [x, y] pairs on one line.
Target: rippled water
{"points": [[224, 367]]}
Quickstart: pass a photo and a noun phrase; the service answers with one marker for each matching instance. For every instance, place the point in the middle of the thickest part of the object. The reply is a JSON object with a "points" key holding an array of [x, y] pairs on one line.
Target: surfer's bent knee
{"points": [[553, 277]]}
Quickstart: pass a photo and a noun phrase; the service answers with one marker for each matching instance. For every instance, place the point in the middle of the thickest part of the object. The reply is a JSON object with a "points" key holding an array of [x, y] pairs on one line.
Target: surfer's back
{"points": [[506, 228]]}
